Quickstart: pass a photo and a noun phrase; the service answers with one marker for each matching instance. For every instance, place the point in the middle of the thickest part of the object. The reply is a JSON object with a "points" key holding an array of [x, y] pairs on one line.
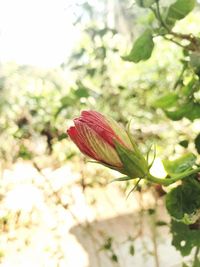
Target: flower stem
{"points": [[171, 180]]}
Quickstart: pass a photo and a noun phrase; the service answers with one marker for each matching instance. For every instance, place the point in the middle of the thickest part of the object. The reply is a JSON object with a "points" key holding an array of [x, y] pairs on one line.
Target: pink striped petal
{"points": [[97, 144], [78, 140]]}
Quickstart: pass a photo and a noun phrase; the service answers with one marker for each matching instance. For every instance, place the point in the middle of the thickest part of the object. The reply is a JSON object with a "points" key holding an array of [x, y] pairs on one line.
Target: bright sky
{"points": [[37, 32]]}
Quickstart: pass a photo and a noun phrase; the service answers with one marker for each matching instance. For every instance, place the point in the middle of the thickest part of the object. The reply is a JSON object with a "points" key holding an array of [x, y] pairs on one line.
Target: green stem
{"points": [[172, 180], [159, 16]]}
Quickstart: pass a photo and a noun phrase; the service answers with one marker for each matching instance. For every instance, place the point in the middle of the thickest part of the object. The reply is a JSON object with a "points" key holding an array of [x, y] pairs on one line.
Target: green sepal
{"points": [[135, 147], [107, 165], [121, 179], [133, 165]]}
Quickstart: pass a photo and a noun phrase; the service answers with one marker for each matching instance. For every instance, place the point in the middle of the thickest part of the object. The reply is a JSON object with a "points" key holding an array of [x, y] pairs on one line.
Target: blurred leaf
{"points": [[196, 263], [82, 92], [24, 153], [151, 211], [91, 71], [179, 10], [195, 61], [197, 143], [145, 3], [183, 202], [132, 250], [166, 101], [62, 136], [184, 143], [184, 239], [142, 48], [190, 88], [67, 101], [70, 155], [108, 243], [161, 223], [114, 258], [179, 165], [188, 110]]}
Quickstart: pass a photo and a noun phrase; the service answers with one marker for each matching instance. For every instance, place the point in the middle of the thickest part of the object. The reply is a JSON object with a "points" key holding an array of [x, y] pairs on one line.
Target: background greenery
{"points": [[161, 95]]}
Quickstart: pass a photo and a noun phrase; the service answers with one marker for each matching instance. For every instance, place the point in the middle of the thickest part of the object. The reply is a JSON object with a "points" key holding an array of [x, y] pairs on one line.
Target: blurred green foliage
{"points": [[38, 104], [160, 93]]}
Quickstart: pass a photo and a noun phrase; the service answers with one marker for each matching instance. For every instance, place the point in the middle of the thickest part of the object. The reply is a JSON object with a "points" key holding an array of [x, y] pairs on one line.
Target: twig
{"points": [[196, 254]]}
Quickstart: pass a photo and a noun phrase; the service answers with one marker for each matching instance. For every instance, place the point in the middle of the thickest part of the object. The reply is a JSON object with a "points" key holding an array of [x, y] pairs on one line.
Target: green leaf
{"points": [[145, 3], [197, 143], [82, 92], [67, 101], [114, 258], [142, 48], [179, 10], [188, 110], [184, 239], [195, 59], [196, 263], [179, 165], [161, 223], [183, 202], [190, 88], [131, 250], [151, 211], [184, 143], [166, 101]]}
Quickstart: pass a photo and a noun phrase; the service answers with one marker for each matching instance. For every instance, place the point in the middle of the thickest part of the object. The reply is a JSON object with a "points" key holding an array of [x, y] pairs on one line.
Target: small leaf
{"points": [[197, 143], [67, 101], [161, 223], [183, 202], [166, 101], [151, 211], [131, 250], [142, 48], [195, 59], [179, 10], [184, 239], [188, 110], [196, 263], [108, 244], [184, 143], [82, 92], [114, 258], [179, 165]]}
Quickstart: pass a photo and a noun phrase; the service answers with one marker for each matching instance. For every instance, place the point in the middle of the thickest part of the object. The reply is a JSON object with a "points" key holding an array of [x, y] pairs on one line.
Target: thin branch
{"points": [[159, 16], [196, 254], [180, 76], [177, 43]]}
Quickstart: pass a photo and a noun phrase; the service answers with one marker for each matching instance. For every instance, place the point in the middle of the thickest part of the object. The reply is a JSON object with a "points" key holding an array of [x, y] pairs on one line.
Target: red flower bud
{"points": [[102, 139], [95, 135]]}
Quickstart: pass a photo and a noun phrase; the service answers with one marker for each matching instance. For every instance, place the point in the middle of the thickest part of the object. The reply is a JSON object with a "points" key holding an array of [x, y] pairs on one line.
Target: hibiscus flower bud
{"points": [[105, 141]]}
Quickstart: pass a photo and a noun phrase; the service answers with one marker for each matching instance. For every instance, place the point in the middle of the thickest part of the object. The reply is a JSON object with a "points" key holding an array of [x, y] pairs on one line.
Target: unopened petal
{"points": [[120, 132], [78, 140], [105, 151], [106, 127]]}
